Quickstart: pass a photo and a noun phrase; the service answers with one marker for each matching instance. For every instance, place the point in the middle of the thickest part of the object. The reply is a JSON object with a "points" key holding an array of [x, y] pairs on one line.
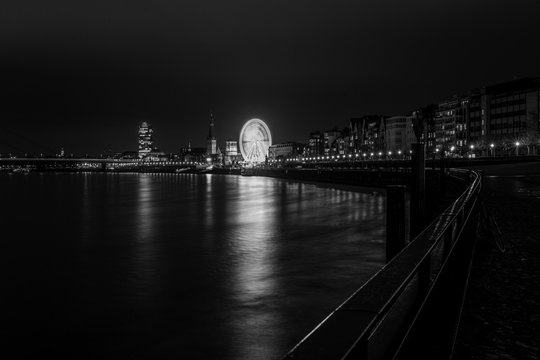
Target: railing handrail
{"points": [[348, 327]]}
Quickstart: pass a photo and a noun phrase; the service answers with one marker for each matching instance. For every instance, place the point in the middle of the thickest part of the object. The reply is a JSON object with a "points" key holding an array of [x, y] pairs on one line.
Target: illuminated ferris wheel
{"points": [[255, 139]]}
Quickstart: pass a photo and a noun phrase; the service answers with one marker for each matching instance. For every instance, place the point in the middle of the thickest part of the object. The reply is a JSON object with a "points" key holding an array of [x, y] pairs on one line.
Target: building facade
{"points": [[505, 114], [373, 139], [396, 133], [231, 152], [315, 144], [450, 123], [231, 148], [146, 143], [284, 151], [356, 133], [330, 137], [498, 119], [367, 134]]}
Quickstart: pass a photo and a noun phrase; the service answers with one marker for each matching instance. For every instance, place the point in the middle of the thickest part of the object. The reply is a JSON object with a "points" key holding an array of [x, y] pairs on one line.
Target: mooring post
{"points": [[418, 188], [395, 220]]}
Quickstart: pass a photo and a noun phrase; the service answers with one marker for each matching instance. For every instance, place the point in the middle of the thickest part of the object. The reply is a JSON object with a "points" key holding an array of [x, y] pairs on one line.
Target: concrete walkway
{"points": [[501, 317]]}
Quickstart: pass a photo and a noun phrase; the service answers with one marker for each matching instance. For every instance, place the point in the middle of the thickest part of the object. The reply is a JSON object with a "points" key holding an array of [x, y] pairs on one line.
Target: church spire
{"points": [[211, 143], [211, 127]]}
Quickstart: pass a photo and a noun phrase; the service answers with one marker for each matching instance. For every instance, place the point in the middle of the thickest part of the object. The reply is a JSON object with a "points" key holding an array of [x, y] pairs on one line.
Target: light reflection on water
{"points": [[217, 267], [145, 261]]}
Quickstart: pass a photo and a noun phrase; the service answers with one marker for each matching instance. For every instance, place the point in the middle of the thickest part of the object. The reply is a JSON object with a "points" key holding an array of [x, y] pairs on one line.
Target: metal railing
{"points": [[404, 305]]}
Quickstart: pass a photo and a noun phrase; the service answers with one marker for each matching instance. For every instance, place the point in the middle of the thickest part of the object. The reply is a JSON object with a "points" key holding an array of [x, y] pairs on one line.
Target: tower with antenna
{"points": [[211, 143]]}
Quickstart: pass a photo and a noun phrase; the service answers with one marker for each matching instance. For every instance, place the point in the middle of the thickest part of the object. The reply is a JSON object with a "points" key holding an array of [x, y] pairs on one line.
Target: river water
{"points": [[184, 266]]}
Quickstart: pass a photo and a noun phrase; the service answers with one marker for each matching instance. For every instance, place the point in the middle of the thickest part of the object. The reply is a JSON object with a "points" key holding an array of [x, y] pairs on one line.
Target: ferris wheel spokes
{"points": [[255, 139]]}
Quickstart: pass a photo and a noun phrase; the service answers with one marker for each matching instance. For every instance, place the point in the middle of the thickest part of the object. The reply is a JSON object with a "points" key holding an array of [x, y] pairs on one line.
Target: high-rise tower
{"points": [[145, 139], [211, 143]]}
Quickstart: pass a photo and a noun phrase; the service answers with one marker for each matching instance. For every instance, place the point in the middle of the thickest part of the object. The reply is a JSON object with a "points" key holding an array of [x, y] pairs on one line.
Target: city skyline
{"points": [[451, 112], [78, 76]]}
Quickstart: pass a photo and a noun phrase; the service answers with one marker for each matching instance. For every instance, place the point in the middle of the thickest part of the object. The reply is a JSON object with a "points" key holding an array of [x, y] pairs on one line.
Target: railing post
{"points": [[395, 220], [442, 175], [418, 188]]}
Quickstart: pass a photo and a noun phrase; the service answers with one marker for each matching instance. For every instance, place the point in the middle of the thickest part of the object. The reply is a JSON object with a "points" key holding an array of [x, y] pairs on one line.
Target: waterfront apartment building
{"points": [[502, 118], [450, 123], [330, 137], [400, 134], [373, 137], [423, 127], [315, 144], [145, 139], [505, 113], [502, 114], [343, 141], [356, 133], [367, 134]]}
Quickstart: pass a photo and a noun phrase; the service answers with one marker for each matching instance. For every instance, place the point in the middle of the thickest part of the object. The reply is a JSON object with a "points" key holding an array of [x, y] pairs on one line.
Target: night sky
{"points": [[83, 75]]}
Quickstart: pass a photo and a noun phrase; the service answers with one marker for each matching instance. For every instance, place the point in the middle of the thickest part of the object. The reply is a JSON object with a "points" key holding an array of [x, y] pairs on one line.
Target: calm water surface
{"points": [[178, 265]]}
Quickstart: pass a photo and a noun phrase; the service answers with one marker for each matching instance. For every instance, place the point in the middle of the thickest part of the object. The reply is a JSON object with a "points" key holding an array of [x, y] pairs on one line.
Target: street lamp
{"points": [[517, 148], [492, 146]]}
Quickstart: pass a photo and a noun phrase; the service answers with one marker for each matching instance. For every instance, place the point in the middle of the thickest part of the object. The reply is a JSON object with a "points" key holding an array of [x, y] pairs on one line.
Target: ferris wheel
{"points": [[255, 139]]}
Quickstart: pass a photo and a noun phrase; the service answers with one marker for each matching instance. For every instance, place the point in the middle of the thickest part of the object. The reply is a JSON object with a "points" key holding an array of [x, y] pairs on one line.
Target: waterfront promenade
{"points": [[501, 316]]}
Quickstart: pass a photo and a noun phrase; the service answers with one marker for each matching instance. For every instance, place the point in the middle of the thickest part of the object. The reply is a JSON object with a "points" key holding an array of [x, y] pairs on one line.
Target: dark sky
{"points": [[83, 75]]}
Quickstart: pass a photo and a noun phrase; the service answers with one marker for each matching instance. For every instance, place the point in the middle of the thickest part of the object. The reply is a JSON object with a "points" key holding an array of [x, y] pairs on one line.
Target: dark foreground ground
{"points": [[501, 317]]}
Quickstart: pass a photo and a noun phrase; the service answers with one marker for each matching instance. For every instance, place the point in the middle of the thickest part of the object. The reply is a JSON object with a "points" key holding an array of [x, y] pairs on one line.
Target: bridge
{"points": [[96, 164]]}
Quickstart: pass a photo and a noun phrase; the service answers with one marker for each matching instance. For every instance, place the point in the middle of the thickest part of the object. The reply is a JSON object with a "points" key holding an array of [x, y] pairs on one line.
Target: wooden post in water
{"points": [[418, 188], [395, 220]]}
